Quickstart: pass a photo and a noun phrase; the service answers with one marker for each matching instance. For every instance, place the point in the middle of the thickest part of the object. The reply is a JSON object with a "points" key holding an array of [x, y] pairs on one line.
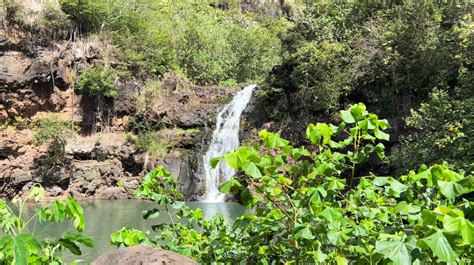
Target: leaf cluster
{"points": [[97, 81], [19, 246], [308, 207]]}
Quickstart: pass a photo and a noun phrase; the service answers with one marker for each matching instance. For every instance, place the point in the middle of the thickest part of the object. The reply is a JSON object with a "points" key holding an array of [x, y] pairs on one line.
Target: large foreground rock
{"points": [[141, 255]]}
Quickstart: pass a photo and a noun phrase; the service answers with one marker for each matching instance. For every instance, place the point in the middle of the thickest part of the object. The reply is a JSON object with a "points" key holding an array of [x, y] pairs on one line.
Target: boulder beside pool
{"points": [[142, 255]]}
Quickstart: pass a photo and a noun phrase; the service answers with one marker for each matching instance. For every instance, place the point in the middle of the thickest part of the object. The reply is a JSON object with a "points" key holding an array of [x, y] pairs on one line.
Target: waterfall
{"points": [[224, 139]]}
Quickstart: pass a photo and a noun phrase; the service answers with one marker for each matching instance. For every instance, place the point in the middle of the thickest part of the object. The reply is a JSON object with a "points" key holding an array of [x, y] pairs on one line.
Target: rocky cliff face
{"points": [[37, 79]]}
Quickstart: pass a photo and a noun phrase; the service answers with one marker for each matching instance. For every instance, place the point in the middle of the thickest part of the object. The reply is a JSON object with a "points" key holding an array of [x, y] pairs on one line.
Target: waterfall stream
{"points": [[224, 139]]}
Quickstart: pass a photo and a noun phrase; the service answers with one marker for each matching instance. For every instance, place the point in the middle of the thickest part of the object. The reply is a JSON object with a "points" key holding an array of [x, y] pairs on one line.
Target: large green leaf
{"points": [[381, 135], [358, 111], [341, 260], [395, 250], [331, 214], [336, 237], [76, 212], [151, 214], [21, 250], [452, 189], [440, 246], [215, 161], [5, 241], [319, 131], [252, 170], [303, 231], [79, 238], [231, 160], [459, 225], [347, 116], [71, 245], [33, 245], [230, 186], [272, 140]]}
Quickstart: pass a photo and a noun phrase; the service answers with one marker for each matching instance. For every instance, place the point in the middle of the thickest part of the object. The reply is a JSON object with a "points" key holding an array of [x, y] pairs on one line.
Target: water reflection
{"points": [[104, 217]]}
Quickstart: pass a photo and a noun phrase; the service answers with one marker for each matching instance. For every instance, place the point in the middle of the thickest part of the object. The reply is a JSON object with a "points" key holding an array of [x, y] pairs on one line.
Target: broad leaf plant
{"points": [[310, 205]]}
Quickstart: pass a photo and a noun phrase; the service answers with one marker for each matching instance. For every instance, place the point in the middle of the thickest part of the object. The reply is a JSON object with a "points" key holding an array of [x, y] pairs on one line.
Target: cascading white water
{"points": [[224, 139]]}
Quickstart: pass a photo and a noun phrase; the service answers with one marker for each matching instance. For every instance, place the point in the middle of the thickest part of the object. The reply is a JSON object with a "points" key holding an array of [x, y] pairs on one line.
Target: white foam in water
{"points": [[224, 139]]}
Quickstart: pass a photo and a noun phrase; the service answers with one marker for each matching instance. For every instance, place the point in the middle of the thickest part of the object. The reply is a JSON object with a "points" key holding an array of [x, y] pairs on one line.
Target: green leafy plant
{"points": [[54, 21], [86, 14], [19, 246], [97, 81], [54, 132], [308, 206]]}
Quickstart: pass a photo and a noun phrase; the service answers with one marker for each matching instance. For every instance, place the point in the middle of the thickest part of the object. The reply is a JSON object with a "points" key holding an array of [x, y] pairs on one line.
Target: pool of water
{"points": [[103, 217]]}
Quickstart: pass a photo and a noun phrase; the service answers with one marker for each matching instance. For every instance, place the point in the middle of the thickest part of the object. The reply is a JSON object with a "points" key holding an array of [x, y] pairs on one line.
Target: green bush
{"points": [[88, 15], [308, 207], [440, 130], [213, 46], [55, 21], [56, 133], [97, 81]]}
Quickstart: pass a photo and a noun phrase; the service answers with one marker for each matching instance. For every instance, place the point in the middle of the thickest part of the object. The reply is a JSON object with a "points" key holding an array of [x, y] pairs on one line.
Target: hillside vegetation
{"points": [[365, 109], [410, 62]]}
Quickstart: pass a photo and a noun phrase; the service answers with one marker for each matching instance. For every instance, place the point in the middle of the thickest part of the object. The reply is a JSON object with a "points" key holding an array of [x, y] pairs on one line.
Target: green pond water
{"points": [[103, 217]]}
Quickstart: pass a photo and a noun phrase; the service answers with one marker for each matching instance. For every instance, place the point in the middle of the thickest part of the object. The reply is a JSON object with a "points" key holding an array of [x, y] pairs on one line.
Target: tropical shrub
{"points": [[55, 132], [97, 81], [307, 206], [390, 55], [87, 15], [440, 130], [19, 246]]}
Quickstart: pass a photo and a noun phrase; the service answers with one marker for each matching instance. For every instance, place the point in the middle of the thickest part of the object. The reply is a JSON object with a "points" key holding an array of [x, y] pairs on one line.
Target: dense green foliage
{"points": [[88, 15], [393, 56], [97, 81], [442, 130], [389, 55], [206, 44], [19, 246], [307, 207], [409, 61], [319, 58]]}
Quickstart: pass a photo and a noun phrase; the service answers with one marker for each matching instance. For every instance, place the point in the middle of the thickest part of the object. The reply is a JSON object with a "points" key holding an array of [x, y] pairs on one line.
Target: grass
{"points": [[151, 143], [149, 95]]}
